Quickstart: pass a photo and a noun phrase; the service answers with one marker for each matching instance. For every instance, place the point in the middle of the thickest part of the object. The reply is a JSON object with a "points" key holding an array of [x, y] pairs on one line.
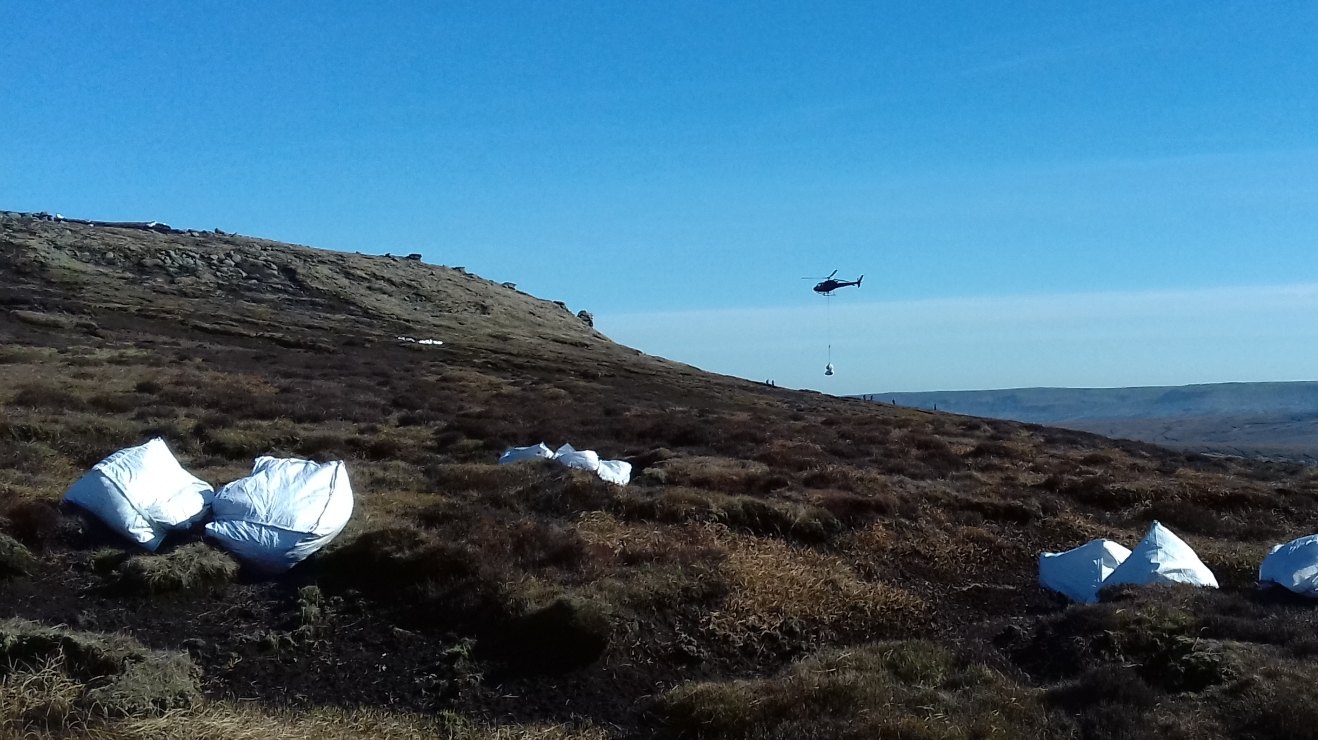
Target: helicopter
{"points": [[827, 285]]}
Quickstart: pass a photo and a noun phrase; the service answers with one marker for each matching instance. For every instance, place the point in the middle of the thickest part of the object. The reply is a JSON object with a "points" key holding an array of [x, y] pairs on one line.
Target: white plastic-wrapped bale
{"points": [[617, 472], [1293, 565], [142, 492], [1162, 557], [1079, 573], [534, 452], [570, 457], [283, 512]]}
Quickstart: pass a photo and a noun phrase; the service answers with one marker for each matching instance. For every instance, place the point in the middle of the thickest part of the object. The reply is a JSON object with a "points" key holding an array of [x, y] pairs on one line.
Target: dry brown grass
{"points": [[778, 588], [908, 689], [793, 454], [759, 515], [489, 478], [39, 699], [721, 474], [628, 543], [86, 675]]}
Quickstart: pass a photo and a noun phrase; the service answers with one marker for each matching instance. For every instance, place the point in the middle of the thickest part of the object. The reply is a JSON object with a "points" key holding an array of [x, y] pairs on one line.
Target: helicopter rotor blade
{"points": [[829, 276]]}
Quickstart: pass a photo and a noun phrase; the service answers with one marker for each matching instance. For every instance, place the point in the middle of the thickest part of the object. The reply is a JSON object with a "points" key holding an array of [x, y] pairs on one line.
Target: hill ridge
{"points": [[1270, 420]]}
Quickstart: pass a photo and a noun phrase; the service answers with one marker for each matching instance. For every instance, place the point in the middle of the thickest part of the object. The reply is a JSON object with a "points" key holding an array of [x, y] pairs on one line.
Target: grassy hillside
{"points": [[785, 564]]}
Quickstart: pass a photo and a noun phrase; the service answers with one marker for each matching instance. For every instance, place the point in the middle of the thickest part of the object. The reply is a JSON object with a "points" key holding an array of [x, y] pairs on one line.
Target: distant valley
{"points": [[1276, 421]]}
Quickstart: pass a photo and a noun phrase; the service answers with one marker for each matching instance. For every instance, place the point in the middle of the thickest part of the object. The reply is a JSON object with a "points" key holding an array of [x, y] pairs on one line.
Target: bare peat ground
{"points": [[785, 564]]}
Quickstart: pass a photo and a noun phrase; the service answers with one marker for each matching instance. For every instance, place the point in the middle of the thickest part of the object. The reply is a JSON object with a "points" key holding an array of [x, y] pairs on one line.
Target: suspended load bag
{"points": [[1162, 557], [534, 452], [142, 492], [284, 511], [1293, 565], [1079, 573]]}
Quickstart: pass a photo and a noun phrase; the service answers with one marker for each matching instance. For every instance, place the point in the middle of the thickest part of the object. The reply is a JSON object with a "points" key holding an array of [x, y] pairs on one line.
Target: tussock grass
{"points": [[777, 588], [490, 478], [42, 702], [651, 567], [12, 354], [853, 509], [563, 635], [435, 583], [721, 474], [40, 699], [1190, 662], [15, 559], [623, 543], [82, 439], [46, 320], [904, 689], [115, 674], [849, 478], [1161, 639], [793, 455], [191, 568], [1010, 507], [754, 514], [1000, 450], [47, 396], [243, 440]]}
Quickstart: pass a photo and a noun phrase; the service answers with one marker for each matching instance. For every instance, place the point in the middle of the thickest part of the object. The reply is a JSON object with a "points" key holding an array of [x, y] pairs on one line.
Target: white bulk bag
{"points": [[142, 492], [570, 457], [618, 472], [1162, 557], [534, 452], [284, 511], [1293, 565], [1079, 573]]}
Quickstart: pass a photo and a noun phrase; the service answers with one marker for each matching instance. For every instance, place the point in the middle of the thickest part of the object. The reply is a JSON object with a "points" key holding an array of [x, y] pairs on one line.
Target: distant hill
{"points": [[1268, 420]]}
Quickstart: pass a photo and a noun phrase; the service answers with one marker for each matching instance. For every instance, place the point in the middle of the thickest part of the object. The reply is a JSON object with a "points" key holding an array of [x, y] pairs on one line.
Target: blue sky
{"points": [[1012, 179]]}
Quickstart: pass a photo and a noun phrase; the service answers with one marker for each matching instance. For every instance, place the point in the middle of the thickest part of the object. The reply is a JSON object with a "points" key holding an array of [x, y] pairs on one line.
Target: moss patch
{"points": [[15, 560]]}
